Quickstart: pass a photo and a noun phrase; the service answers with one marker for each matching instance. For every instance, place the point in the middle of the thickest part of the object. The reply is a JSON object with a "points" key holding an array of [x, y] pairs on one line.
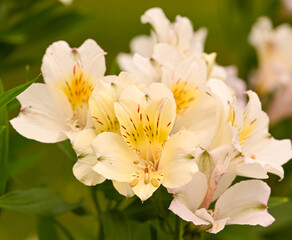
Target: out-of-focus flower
{"points": [[101, 108], [274, 75], [144, 156], [56, 110], [66, 2], [273, 47], [288, 5]]}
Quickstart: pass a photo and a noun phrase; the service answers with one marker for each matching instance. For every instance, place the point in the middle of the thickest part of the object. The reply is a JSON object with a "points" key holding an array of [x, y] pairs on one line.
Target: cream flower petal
{"points": [[166, 55], [58, 62], [184, 29], [145, 190], [44, 114], [158, 20], [82, 141], [192, 194], [143, 45], [115, 158], [82, 169], [176, 160], [198, 41], [123, 188], [185, 213], [60, 59], [245, 203], [92, 58]]}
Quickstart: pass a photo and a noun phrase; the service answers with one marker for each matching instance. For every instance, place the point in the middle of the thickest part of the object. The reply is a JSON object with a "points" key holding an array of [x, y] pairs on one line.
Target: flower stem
{"points": [[63, 229], [98, 210]]}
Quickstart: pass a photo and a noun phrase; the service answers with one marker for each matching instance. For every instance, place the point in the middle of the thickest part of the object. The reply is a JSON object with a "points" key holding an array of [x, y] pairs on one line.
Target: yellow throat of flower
{"points": [[78, 88], [186, 95]]}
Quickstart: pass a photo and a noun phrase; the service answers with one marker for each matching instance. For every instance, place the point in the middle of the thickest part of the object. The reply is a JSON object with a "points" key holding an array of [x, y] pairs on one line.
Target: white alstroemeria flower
{"points": [[179, 34], [101, 107], [144, 156], [273, 48], [258, 147], [274, 74], [56, 110], [244, 203]]}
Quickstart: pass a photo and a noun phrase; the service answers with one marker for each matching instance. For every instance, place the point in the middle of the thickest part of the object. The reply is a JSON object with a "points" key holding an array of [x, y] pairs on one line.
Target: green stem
{"points": [[177, 232], [63, 229], [161, 211], [98, 210], [95, 200]]}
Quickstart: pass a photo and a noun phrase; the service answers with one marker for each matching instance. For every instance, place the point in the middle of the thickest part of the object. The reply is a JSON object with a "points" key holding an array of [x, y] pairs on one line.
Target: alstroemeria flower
{"points": [[259, 149], [244, 203], [56, 110], [273, 48], [101, 108], [144, 156]]}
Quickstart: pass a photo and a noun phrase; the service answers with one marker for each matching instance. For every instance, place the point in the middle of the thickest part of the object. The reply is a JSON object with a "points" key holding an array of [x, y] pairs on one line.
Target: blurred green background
{"points": [[28, 27]]}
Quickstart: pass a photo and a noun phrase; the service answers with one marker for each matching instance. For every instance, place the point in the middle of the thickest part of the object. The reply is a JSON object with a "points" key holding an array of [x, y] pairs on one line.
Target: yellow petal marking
{"points": [[247, 130], [101, 106], [186, 95], [78, 88]]}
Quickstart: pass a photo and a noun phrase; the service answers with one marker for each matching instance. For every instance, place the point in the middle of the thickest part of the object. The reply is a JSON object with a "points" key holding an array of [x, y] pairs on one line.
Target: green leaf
{"points": [[4, 143], [47, 229], [276, 201], [42, 202], [11, 94], [115, 226]]}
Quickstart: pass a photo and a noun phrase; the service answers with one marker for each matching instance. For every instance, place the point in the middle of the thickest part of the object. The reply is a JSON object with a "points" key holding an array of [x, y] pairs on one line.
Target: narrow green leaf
{"points": [[276, 201], [42, 202], [47, 229], [11, 94], [4, 141]]}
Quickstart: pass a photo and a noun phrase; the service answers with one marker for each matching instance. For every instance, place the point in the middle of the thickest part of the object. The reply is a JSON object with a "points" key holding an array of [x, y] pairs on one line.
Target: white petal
{"points": [[176, 160], [142, 45], [123, 188], [184, 30], [185, 213], [198, 42], [44, 113], [83, 170], [145, 190], [166, 55], [58, 62], [82, 141], [156, 17], [200, 119], [193, 193], [92, 58], [60, 59], [270, 153], [245, 203], [192, 70], [115, 158]]}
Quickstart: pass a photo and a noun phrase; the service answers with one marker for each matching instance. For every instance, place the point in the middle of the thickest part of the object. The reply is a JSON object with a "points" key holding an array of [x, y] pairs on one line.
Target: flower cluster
{"points": [[172, 117]]}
